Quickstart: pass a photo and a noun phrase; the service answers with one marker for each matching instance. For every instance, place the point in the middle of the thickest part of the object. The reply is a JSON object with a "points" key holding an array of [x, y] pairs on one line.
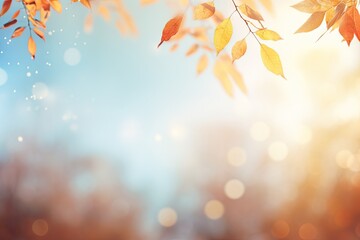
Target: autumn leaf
{"points": [[266, 34], [251, 13], [239, 49], [16, 14], [9, 24], [171, 28], [39, 33], [204, 11], [221, 74], [18, 32], [334, 15], [347, 27], [308, 6], [223, 34], [312, 23], [56, 5], [192, 50], [86, 3], [235, 75], [32, 47], [5, 7], [202, 64], [357, 23], [271, 60]]}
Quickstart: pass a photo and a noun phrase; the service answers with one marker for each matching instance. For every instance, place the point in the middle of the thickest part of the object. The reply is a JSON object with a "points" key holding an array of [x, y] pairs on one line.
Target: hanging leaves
{"points": [[223, 34], [204, 11], [342, 14], [171, 28], [271, 60]]}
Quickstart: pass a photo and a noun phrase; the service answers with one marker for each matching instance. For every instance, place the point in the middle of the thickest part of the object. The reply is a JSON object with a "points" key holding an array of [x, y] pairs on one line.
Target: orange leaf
{"points": [[251, 13], [202, 64], [9, 24], [192, 50], [312, 23], [86, 3], [347, 27], [357, 23], [171, 28], [39, 33], [17, 32], [5, 7], [56, 5], [16, 14], [32, 47]]}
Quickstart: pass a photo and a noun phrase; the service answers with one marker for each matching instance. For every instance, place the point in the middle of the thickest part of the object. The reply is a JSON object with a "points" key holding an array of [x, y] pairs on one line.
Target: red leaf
{"points": [[9, 24], [171, 28], [5, 7]]}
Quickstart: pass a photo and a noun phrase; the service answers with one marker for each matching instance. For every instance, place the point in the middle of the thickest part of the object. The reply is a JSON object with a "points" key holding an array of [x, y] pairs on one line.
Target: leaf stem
{"points": [[27, 17], [245, 21]]}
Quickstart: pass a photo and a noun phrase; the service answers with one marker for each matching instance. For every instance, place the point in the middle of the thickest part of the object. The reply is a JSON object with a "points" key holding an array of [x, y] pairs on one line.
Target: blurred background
{"points": [[104, 136]]}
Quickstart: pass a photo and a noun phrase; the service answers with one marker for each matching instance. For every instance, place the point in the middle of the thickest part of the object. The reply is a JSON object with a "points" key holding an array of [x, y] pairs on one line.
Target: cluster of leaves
{"points": [[37, 13], [338, 14], [223, 68]]}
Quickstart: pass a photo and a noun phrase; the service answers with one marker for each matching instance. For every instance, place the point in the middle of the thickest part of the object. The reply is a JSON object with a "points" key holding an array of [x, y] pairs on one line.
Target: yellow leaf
{"points": [[266, 34], [271, 60], [239, 49], [251, 13], [223, 34], [32, 47], [312, 23], [204, 11], [221, 74], [202, 64]]}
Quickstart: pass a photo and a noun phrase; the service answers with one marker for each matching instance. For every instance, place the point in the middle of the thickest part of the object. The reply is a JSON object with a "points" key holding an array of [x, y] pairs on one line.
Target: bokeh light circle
{"points": [[234, 189], [214, 209], [40, 227], [167, 217]]}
